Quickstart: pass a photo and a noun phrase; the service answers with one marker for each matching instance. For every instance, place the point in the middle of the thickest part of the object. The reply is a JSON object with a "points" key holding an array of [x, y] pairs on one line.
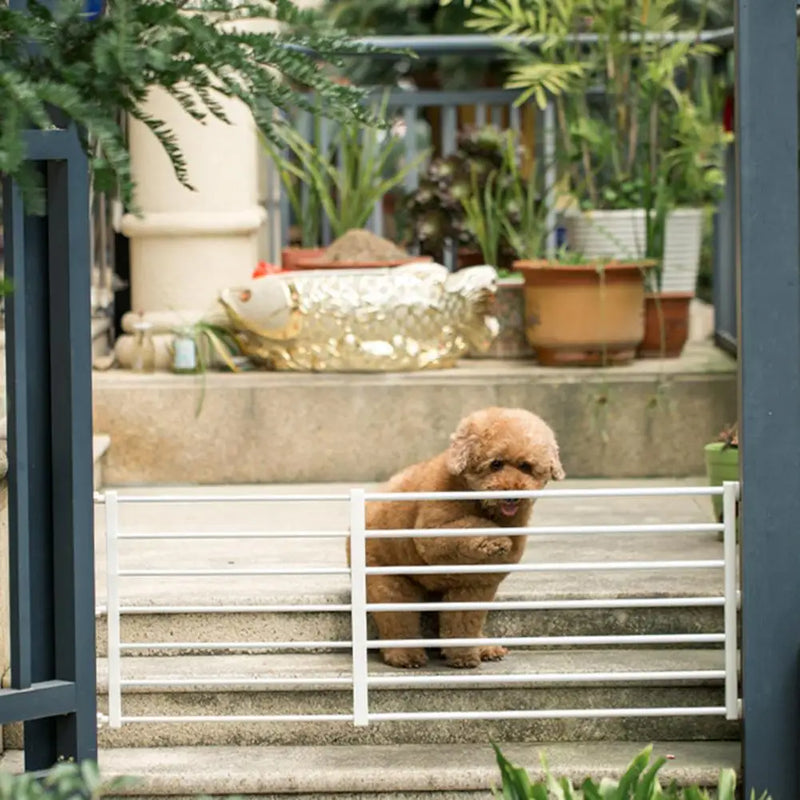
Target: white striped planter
{"points": [[683, 239], [619, 234]]}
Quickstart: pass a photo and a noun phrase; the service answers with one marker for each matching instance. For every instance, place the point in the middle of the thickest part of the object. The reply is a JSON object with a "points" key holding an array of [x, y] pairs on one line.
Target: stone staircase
{"points": [[431, 759]]}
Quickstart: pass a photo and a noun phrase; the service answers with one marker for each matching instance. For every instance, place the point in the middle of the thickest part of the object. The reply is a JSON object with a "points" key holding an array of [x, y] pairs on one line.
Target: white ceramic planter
{"points": [[619, 234], [683, 239], [187, 246]]}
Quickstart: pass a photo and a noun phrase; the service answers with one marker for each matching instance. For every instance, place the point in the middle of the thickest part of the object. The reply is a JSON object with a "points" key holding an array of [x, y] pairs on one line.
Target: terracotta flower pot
{"points": [[670, 311], [469, 257], [290, 256], [584, 314], [322, 263]]}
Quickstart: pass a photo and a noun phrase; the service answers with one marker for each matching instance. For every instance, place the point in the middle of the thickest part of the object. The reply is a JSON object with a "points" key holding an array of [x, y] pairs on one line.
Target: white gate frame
{"points": [[360, 643]]}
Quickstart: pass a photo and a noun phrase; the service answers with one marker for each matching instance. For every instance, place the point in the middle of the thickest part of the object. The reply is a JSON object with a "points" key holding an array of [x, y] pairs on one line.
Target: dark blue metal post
{"points": [[51, 536], [769, 391]]}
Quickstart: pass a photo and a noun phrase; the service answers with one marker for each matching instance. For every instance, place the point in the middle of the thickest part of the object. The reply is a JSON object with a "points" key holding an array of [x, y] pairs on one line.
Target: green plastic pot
{"points": [[722, 464]]}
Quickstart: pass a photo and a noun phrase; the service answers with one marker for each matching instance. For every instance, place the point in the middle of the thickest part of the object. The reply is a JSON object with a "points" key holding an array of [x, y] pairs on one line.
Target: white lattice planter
{"points": [[620, 234], [683, 238]]}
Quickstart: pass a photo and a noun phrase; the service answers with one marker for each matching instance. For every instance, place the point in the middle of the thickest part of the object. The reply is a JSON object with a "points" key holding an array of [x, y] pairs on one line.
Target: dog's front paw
{"points": [[462, 657], [493, 652], [494, 546], [405, 657]]}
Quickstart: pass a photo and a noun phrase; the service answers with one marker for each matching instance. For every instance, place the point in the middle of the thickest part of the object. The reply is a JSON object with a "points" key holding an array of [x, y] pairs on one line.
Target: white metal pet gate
{"points": [[360, 644]]}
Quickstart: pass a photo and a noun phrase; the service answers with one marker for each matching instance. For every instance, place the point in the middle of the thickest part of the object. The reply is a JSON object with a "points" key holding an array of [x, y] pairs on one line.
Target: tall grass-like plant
{"points": [[507, 216], [350, 176], [638, 782], [60, 66]]}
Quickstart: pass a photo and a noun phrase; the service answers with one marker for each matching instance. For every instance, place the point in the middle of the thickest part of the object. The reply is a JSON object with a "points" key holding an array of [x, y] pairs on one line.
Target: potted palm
{"points": [[613, 143]]}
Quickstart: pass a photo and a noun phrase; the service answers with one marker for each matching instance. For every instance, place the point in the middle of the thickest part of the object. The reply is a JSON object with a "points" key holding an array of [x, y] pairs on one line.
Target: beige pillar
{"points": [[187, 245]]}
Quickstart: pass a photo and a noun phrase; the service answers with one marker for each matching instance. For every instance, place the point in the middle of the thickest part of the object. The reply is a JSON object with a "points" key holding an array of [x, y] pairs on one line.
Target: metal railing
{"points": [[360, 644]]}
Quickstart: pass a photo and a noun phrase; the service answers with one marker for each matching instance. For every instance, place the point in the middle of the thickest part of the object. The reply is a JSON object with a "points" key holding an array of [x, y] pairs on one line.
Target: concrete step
{"points": [[201, 695], [406, 772], [324, 626], [257, 685], [267, 427]]}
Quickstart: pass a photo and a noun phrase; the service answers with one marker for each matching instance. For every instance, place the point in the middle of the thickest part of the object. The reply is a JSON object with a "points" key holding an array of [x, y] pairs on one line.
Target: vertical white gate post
{"points": [[730, 494], [358, 601], [112, 610]]}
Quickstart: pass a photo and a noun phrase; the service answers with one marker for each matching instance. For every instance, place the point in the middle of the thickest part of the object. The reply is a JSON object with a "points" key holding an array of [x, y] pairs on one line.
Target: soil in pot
{"points": [[584, 314], [360, 249], [668, 311]]}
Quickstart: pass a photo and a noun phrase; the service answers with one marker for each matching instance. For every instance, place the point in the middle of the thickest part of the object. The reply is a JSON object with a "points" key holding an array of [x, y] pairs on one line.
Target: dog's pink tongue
{"points": [[509, 507]]}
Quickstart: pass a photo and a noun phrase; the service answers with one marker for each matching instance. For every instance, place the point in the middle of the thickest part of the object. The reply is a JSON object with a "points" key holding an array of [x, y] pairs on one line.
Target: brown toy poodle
{"points": [[492, 449]]}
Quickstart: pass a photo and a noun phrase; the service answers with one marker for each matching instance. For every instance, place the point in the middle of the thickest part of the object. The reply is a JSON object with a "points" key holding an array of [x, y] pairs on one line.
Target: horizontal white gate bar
{"points": [[498, 605], [546, 678], [555, 713], [178, 535], [440, 680], [555, 641], [207, 573], [577, 566], [545, 530], [554, 605], [399, 716], [563, 494], [299, 645]]}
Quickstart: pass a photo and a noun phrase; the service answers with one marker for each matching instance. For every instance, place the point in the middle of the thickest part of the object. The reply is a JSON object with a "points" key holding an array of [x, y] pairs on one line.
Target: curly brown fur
{"points": [[493, 449]]}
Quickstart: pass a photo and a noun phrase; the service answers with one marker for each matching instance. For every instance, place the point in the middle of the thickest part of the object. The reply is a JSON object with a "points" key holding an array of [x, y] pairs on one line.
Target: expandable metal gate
{"points": [[361, 644]]}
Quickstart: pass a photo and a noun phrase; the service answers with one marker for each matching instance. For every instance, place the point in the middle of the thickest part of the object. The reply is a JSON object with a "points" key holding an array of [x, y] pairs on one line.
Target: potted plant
{"points": [[614, 145], [344, 178], [691, 178], [92, 70], [501, 211], [437, 210], [722, 463], [578, 311]]}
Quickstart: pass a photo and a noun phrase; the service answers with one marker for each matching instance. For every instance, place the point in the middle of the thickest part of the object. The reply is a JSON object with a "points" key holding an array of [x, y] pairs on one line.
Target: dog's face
{"points": [[504, 449]]}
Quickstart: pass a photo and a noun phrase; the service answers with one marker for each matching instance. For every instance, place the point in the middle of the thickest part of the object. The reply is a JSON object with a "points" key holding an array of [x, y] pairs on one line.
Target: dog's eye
{"points": [[496, 465], [526, 468]]}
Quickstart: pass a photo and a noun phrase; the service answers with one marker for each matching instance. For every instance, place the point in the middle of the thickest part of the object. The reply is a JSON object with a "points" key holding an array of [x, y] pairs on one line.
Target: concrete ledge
{"points": [[649, 419]]}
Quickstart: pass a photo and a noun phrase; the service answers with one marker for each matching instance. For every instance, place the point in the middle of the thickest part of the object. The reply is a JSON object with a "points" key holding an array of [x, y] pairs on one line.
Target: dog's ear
{"points": [[556, 470], [461, 445]]}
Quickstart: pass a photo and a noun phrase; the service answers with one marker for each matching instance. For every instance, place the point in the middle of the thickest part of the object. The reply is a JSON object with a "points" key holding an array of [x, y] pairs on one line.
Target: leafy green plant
{"points": [[65, 781], [348, 178], [60, 67], [484, 210], [649, 138], [447, 207], [638, 782], [213, 343]]}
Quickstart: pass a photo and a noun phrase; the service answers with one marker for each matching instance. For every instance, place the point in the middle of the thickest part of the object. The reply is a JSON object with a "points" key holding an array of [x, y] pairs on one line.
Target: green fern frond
{"points": [[92, 73]]}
